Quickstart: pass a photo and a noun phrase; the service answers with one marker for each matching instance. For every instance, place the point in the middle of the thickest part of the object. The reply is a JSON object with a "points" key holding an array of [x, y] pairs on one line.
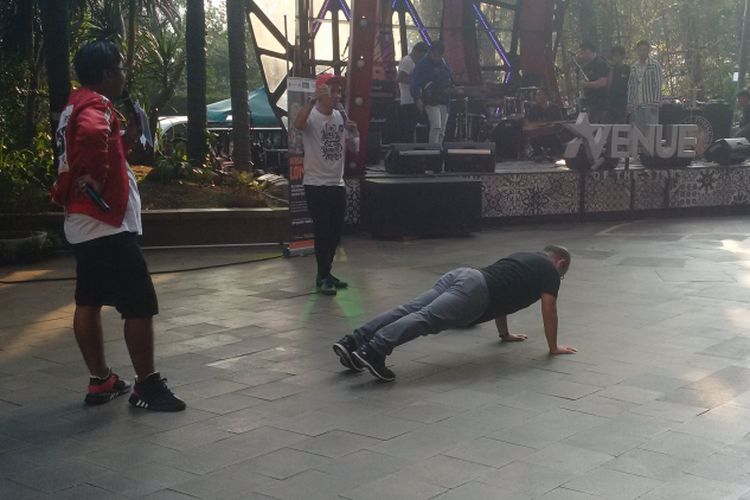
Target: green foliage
{"points": [[26, 176]]}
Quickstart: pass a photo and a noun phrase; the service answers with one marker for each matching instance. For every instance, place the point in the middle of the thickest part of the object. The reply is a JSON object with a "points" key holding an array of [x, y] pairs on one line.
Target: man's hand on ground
{"points": [[563, 349], [513, 337]]}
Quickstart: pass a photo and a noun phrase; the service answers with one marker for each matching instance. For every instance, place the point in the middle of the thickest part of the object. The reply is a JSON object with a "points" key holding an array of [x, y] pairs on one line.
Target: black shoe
{"points": [[374, 362], [340, 285], [344, 349], [326, 286], [153, 394], [104, 390]]}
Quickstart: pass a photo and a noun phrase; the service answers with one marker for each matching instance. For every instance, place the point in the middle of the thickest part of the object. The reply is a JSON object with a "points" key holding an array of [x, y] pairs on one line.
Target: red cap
{"points": [[329, 79]]}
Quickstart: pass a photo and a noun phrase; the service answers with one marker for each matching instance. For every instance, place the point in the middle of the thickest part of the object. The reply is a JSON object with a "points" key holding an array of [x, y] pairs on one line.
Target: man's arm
{"points": [[403, 77], [597, 84], [301, 119], [502, 329], [549, 316]]}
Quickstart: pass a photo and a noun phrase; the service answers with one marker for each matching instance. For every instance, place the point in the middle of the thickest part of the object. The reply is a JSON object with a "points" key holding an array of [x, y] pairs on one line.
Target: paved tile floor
{"points": [[656, 404]]}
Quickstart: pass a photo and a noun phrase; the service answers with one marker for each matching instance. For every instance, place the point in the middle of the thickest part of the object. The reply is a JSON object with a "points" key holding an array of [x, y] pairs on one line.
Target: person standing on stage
{"points": [[596, 73], [617, 87], [326, 134], [743, 102], [460, 298], [541, 127], [431, 86], [644, 88], [110, 268], [408, 113]]}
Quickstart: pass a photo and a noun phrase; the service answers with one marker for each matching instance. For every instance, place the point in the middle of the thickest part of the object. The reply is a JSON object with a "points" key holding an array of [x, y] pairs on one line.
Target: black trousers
{"points": [[407, 117], [327, 206]]}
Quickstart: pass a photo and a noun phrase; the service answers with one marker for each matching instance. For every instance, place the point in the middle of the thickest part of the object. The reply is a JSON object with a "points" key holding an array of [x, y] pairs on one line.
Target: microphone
{"points": [[96, 198]]}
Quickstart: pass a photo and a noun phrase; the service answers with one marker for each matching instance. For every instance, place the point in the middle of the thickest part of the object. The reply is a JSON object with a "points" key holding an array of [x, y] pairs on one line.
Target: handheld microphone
{"points": [[96, 198]]}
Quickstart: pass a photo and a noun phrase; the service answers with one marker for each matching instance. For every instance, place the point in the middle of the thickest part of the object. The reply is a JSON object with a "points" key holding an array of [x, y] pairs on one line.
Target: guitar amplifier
{"points": [[469, 157], [410, 159]]}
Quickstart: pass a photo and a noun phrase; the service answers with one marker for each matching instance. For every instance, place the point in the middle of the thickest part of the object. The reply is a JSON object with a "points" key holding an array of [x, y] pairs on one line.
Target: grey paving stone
{"points": [[273, 391], [86, 492], [425, 412], [335, 444], [682, 445], [362, 467], [286, 462], [303, 486], [612, 484], [189, 436], [568, 458], [395, 486], [57, 476], [446, 471], [16, 491], [687, 487], [474, 490], [490, 452], [143, 479], [523, 477], [380, 426]]}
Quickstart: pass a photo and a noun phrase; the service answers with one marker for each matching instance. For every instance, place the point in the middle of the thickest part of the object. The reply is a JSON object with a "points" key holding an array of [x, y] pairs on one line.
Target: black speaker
{"points": [[410, 159], [509, 139], [469, 156], [730, 151], [719, 114]]}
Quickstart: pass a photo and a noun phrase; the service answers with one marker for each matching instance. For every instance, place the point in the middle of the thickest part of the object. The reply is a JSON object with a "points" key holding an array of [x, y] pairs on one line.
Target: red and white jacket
{"points": [[89, 142]]}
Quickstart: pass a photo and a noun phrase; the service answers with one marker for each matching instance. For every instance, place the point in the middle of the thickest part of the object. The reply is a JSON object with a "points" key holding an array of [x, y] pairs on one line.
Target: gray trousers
{"points": [[645, 115], [458, 298]]}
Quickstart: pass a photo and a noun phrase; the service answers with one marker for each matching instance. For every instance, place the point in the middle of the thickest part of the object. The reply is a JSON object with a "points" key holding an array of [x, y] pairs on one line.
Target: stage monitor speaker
{"points": [[509, 139], [730, 151], [469, 156], [410, 159]]}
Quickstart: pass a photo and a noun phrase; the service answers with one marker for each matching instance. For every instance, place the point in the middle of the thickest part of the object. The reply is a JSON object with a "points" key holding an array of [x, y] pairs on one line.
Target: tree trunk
{"points": [[195, 51], [54, 15], [29, 126], [238, 83], [587, 19], [132, 29]]}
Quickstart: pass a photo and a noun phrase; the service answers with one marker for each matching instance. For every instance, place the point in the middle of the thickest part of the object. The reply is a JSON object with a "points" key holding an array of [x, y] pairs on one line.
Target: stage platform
{"points": [[521, 191]]}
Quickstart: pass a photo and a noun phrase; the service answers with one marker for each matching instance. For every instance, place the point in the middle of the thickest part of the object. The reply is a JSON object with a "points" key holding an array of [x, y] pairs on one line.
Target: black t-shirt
{"points": [[745, 116], [517, 281], [540, 114], [594, 71], [618, 87]]}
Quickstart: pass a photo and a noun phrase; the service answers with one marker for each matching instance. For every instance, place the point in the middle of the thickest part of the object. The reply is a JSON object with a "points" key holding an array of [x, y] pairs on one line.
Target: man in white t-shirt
{"points": [[326, 134], [408, 113]]}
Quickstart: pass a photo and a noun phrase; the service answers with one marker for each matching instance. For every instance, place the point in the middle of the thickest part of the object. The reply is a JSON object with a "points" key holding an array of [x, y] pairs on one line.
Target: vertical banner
{"points": [[301, 234]]}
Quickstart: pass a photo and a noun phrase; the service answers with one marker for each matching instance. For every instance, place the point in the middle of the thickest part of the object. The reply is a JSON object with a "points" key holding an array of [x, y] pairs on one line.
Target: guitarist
{"points": [[542, 126]]}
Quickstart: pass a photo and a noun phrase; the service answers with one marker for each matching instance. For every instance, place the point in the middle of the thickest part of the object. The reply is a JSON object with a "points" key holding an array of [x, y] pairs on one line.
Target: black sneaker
{"points": [[344, 349], [326, 287], [153, 394], [374, 362], [104, 390], [340, 285]]}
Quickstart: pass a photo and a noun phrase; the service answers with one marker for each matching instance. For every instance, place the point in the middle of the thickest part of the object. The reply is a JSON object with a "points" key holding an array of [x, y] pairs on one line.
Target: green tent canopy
{"points": [[261, 113]]}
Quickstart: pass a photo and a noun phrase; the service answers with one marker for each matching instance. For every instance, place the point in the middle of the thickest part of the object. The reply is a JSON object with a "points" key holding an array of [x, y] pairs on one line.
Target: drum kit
{"points": [[478, 116]]}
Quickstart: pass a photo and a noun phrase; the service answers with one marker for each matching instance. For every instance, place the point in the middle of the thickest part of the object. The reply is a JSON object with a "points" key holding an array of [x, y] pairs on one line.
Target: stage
{"points": [[527, 191]]}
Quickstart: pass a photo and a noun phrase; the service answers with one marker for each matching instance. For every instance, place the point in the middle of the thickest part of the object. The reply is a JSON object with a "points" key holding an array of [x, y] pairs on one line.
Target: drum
{"points": [[513, 108]]}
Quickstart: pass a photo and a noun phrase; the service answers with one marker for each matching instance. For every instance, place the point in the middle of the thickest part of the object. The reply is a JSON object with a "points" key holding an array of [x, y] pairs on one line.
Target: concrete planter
{"points": [[204, 226], [24, 246]]}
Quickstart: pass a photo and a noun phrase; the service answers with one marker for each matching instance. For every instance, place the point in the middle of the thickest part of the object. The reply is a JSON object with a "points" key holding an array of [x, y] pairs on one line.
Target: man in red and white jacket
{"points": [[110, 268]]}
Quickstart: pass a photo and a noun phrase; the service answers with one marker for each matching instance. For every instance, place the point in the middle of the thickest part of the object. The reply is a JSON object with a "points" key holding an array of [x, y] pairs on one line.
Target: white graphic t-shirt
{"points": [[406, 65], [324, 140]]}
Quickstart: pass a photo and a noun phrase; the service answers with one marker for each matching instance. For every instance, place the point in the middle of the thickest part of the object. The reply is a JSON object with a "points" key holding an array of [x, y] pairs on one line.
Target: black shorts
{"points": [[112, 271]]}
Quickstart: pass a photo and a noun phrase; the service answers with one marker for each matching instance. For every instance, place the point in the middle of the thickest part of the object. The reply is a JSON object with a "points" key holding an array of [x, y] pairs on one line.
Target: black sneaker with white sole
{"points": [[374, 362], [153, 394], [344, 349]]}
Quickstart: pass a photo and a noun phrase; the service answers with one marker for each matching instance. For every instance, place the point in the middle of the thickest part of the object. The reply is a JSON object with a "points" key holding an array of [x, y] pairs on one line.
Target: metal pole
{"points": [[743, 47]]}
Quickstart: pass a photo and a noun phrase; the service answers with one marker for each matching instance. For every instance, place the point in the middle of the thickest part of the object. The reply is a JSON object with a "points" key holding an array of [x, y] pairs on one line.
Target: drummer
{"points": [[541, 127]]}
